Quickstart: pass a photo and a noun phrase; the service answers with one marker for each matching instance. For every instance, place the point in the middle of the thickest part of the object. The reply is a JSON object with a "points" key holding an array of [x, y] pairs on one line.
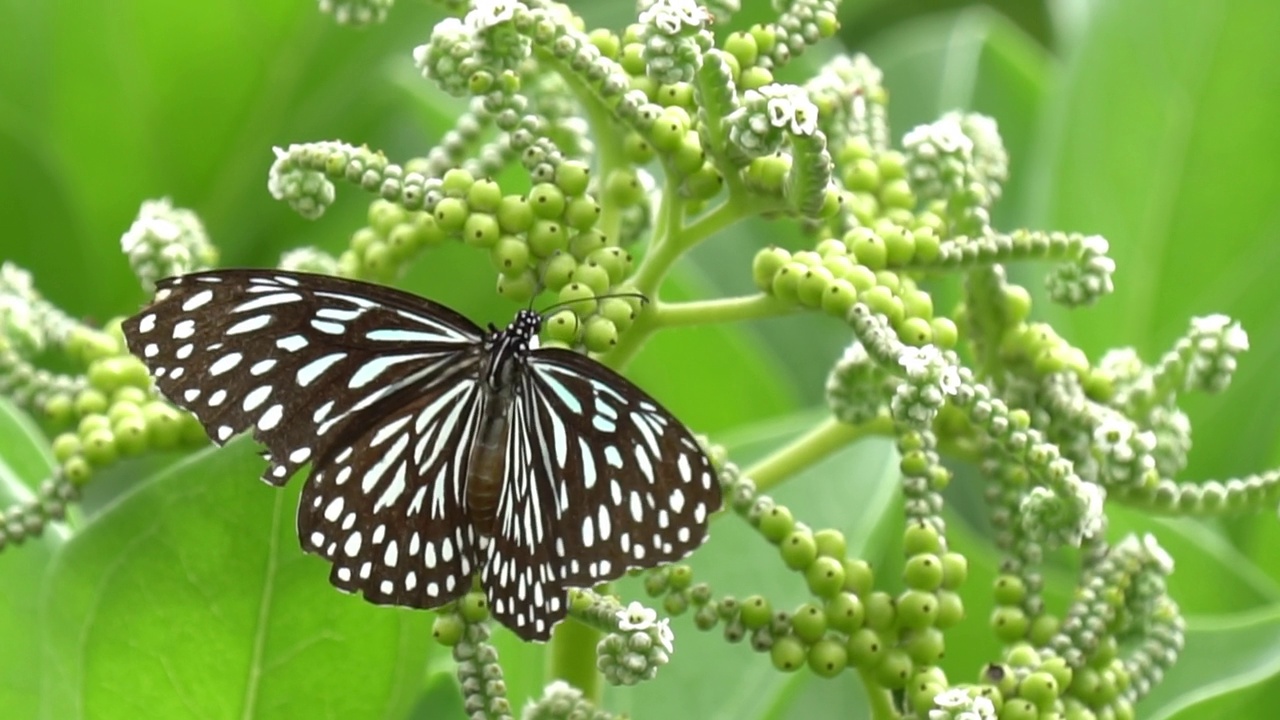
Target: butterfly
{"points": [[439, 451]]}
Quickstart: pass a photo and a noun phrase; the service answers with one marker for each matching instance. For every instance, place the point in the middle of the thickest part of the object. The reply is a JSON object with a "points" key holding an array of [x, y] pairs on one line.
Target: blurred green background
{"points": [[1150, 122]]}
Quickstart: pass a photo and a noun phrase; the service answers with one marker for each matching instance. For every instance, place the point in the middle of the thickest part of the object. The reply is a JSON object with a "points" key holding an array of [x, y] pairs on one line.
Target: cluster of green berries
{"points": [[544, 240], [461, 625], [1031, 684], [849, 623], [855, 269], [116, 414]]}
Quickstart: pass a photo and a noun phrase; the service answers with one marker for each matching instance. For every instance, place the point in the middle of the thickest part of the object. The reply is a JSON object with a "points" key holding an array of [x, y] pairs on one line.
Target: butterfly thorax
{"points": [[506, 352]]}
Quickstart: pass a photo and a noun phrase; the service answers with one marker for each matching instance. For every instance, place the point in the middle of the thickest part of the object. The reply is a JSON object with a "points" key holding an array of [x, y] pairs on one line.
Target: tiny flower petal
{"points": [[666, 638], [636, 617]]}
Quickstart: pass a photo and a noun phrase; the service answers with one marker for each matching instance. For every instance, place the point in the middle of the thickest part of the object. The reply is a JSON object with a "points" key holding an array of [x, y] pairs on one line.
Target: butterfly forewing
{"points": [[296, 357]]}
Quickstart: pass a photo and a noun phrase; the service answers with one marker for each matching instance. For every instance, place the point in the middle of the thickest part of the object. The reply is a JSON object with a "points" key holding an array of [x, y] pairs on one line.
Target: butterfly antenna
{"points": [[640, 296]]}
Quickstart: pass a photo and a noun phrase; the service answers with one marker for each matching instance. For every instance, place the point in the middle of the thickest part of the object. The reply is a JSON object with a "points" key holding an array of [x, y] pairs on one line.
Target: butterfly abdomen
{"points": [[487, 466]]}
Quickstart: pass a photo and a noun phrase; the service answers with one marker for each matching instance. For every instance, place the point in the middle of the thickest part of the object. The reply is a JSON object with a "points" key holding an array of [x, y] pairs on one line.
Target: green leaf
{"points": [[1223, 654], [191, 596], [24, 463]]}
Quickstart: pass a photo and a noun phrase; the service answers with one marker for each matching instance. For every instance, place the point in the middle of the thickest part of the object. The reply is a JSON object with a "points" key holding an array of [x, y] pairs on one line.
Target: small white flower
{"points": [[950, 381], [984, 707], [1115, 431], [1096, 245], [487, 13], [952, 699], [1210, 324], [789, 106], [780, 111], [1159, 556], [804, 118], [636, 617], [666, 638], [920, 362], [1094, 498], [1235, 339]]}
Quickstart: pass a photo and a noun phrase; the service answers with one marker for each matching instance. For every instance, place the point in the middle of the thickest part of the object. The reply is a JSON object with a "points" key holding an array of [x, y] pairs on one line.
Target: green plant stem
{"points": [[880, 699], [810, 448], [721, 310], [573, 658]]}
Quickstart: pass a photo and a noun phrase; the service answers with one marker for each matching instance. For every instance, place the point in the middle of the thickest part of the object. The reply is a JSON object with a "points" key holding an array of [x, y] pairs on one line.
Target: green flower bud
{"points": [[474, 607], [518, 288], [447, 629], [599, 335], [562, 326], [514, 214], [798, 549], [825, 577], [828, 658], [586, 242], [557, 270], [592, 275], [457, 183], [845, 612], [866, 648], [451, 214], [945, 332], [766, 265], [925, 646], [485, 196], [915, 331], [99, 447], [547, 237], [1009, 623], [582, 212], [756, 612], [573, 177], [547, 201], [923, 572], [788, 653], [510, 255], [916, 609], [858, 576], [895, 669], [809, 623]]}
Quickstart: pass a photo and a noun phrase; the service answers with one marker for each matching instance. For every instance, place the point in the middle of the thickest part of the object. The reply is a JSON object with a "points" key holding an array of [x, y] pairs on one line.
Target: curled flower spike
{"points": [[673, 16], [789, 107], [165, 241]]}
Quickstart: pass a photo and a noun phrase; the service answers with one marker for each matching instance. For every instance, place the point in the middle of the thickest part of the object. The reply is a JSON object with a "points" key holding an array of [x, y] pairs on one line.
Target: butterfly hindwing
{"points": [[387, 509], [610, 481]]}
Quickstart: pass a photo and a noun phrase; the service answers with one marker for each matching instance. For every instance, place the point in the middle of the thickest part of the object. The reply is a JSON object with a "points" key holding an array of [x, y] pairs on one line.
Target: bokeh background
{"points": [[1153, 123]]}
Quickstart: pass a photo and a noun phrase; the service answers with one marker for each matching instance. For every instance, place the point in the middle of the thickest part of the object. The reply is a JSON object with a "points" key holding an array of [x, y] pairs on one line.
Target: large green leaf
{"points": [[191, 597], [24, 463]]}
